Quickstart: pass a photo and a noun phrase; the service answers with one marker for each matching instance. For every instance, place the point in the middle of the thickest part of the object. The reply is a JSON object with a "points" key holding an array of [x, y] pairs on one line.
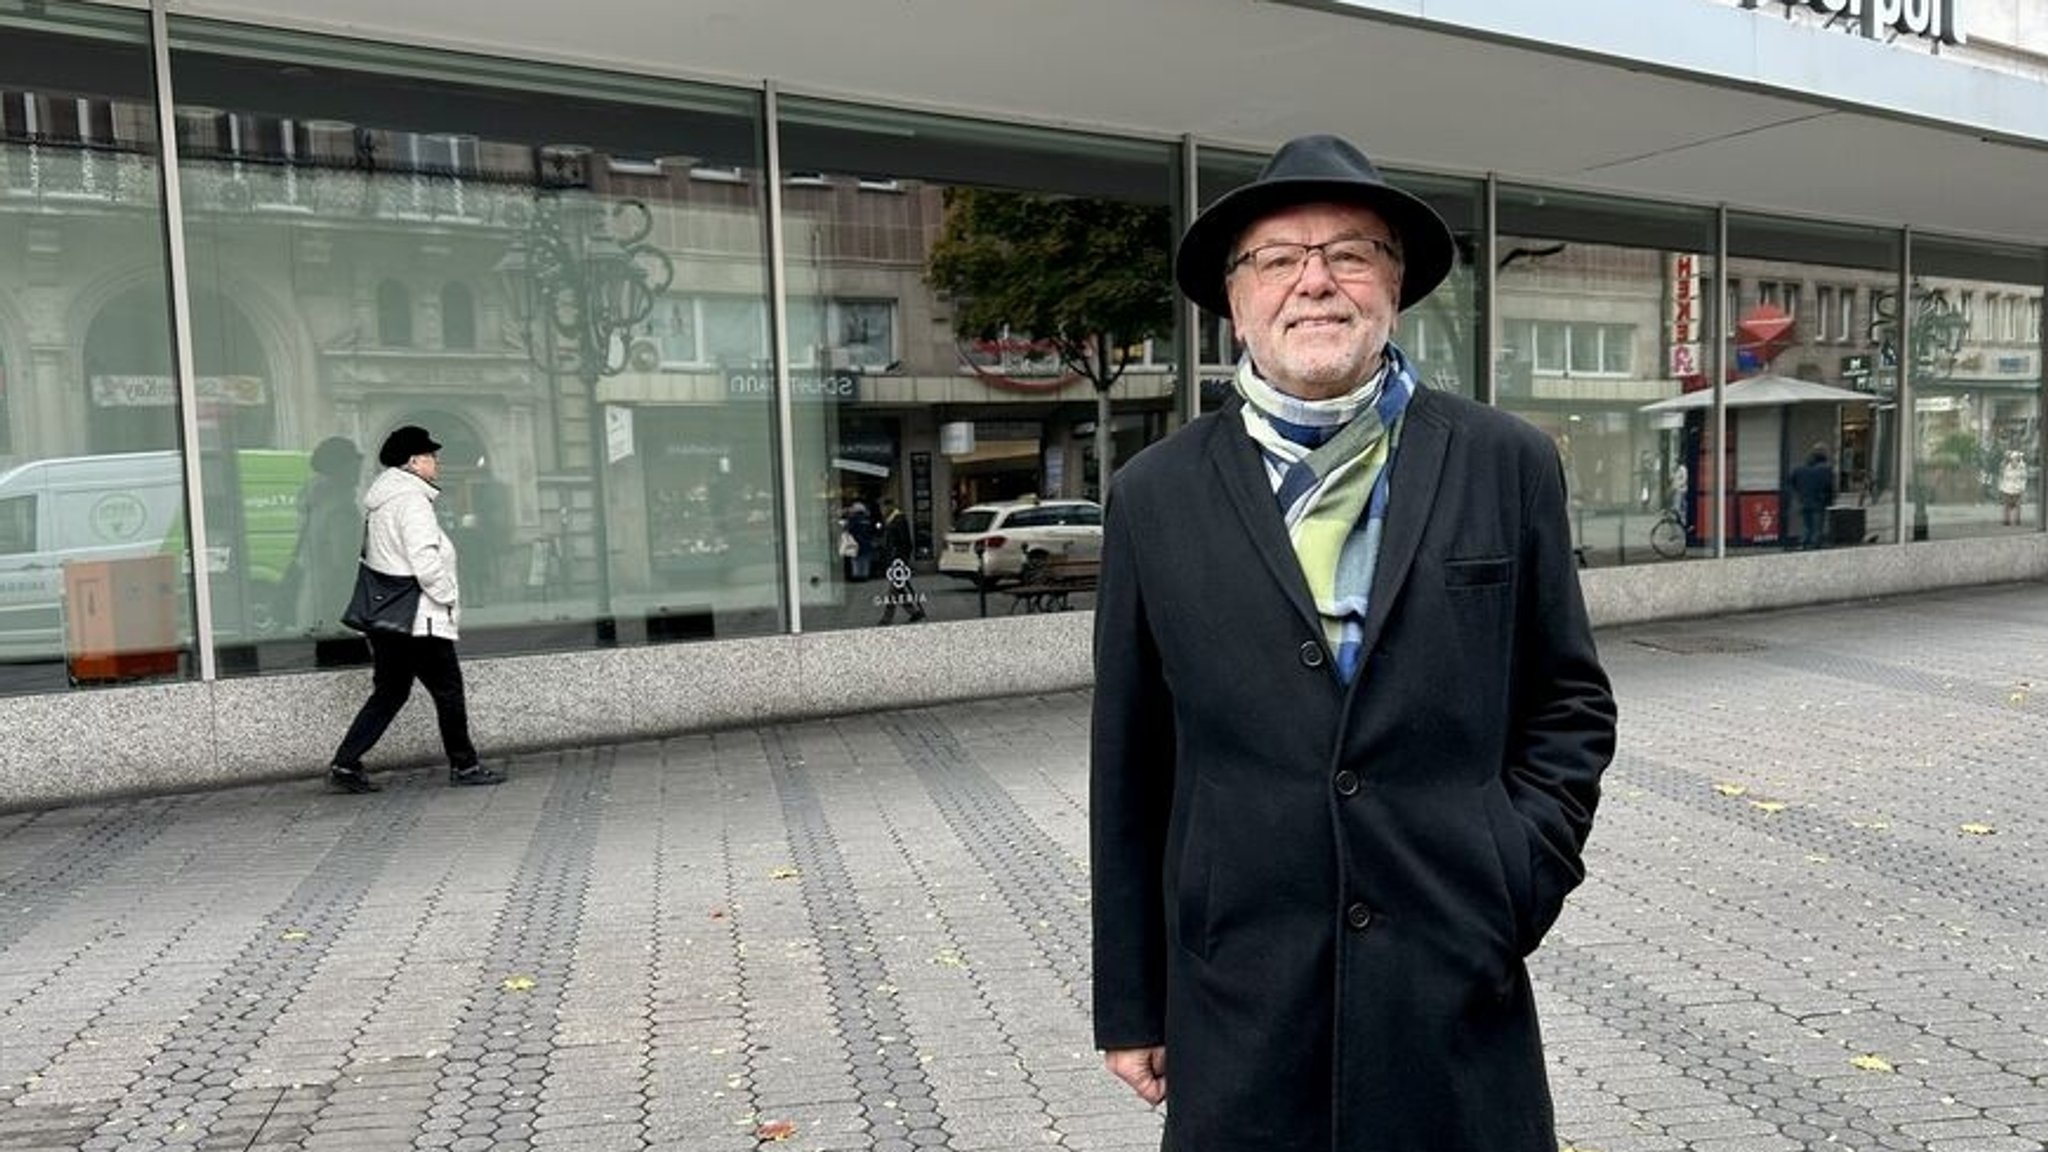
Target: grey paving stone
{"points": [[876, 927]]}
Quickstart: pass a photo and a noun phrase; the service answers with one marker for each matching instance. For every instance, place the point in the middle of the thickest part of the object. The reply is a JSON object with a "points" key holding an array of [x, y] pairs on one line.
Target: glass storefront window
{"points": [[969, 304], [94, 561], [1814, 467], [1602, 322], [523, 259], [1976, 387]]}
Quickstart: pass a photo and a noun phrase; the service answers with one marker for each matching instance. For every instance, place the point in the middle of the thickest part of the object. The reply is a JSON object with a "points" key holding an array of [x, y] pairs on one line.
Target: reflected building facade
{"points": [[672, 332]]}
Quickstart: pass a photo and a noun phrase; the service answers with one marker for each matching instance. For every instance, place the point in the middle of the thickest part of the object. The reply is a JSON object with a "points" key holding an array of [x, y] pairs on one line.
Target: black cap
{"points": [[404, 443], [1313, 170]]}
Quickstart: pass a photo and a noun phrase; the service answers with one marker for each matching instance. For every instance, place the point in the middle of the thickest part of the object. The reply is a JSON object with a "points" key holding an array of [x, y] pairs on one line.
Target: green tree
{"points": [[1090, 277]]}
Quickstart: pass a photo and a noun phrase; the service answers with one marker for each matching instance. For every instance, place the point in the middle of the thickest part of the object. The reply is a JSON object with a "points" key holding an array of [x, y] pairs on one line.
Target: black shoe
{"points": [[351, 780], [475, 774]]}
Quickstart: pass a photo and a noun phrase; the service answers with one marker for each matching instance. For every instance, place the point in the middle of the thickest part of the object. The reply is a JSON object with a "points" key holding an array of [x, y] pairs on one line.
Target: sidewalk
{"points": [[1814, 921]]}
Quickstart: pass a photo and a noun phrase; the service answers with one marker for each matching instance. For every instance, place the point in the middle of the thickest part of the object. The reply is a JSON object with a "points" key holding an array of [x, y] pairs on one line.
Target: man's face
{"points": [[1315, 336]]}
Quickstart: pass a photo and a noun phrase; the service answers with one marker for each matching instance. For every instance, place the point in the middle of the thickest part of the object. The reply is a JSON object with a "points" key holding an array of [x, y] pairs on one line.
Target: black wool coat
{"points": [[1319, 898]]}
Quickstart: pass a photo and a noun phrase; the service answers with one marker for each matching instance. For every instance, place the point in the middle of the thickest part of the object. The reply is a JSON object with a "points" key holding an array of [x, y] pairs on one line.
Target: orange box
{"points": [[121, 618]]}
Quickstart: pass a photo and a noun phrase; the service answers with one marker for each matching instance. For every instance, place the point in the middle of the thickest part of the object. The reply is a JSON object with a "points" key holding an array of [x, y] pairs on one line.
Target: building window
{"points": [[1845, 329], [674, 328], [1218, 342], [394, 315], [1582, 349], [1824, 298], [864, 332], [733, 331], [458, 317]]}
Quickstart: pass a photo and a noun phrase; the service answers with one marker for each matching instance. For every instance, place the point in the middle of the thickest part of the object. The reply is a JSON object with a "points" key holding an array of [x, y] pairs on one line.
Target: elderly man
{"points": [[1349, 721]]}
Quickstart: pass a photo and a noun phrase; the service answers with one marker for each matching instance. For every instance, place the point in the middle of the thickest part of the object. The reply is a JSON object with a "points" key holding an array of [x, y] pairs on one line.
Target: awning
{"points": [[1758, 391]]}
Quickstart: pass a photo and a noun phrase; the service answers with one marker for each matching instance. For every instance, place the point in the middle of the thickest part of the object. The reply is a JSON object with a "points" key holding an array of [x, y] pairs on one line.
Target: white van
{"points": [[78, 508]]}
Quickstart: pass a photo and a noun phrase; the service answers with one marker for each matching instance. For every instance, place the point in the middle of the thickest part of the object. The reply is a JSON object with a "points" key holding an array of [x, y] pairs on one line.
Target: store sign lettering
{"points": [[1939, 20], [1684, 325], [838, 387], [162, 391]]}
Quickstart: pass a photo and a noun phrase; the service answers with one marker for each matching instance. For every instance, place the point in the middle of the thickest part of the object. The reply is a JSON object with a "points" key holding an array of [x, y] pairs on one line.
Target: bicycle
{"points": [[1667, 535]]}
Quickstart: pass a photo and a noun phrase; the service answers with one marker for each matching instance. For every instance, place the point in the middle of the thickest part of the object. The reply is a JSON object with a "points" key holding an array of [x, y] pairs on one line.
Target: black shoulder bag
{"points": [[381, 602]]}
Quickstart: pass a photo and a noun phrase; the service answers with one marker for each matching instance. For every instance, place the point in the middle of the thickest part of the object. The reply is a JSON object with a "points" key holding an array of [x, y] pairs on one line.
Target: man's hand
{"points": [[1144, 1069]]}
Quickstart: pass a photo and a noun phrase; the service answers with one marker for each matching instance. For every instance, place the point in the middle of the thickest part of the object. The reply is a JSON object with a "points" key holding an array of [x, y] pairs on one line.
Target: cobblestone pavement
{"points": [[1816, 920]]}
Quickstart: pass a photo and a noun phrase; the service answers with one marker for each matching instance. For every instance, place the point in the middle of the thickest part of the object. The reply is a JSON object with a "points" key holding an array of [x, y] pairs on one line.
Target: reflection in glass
{"points": [[519, 258], [1601, 321], [978, 318], [1812, 320], [1976, 386], [94, 566]]}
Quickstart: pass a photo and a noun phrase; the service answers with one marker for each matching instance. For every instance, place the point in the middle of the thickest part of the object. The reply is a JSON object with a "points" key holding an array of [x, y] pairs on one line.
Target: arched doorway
{"points": [[131, 395], [475, 508]]}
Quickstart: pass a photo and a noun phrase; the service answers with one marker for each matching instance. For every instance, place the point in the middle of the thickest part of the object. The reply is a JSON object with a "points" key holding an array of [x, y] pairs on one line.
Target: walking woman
{"points": [[402, 538]]}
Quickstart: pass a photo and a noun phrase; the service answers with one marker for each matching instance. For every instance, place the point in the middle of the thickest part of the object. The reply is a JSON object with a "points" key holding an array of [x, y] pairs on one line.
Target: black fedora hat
{"points": [[1305, 170]]}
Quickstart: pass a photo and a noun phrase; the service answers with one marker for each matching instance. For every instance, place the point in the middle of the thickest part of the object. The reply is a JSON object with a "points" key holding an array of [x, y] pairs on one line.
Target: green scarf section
{"points": [[1326, 461]]}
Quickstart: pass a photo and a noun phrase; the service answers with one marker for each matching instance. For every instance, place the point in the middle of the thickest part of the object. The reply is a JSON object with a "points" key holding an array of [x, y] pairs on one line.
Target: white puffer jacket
{"points": [[404, 539]]}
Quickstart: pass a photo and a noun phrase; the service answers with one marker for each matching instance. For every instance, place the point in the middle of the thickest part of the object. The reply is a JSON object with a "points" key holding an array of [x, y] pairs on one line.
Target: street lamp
{"points": [[580, 278]]}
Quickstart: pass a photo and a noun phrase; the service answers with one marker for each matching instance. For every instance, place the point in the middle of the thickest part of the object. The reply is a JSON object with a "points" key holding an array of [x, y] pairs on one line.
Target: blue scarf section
{"points": [[1330, 463]]}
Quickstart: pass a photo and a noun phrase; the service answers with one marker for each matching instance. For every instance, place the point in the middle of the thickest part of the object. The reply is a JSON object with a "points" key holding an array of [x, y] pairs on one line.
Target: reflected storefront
{"points": [[1601, 307], [681, 339]]}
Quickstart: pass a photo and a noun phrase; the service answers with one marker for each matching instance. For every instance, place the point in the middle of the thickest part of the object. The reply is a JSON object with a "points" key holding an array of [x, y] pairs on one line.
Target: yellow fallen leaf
{"points": [[1816, 858], [1727, 789], [516, 983], [1872, 1063], [784, 874], [2017, 698], [775, 1130], [293, 934], [1768, 805], [950, 959], [1975, 829]]}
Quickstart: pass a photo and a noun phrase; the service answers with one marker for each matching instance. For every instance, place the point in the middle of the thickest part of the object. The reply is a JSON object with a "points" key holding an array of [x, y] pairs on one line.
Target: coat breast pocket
{"points": [[1479, 571]]}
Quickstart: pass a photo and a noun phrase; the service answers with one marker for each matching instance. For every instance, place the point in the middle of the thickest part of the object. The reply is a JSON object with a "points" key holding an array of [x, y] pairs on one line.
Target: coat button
{"points": [[1311, 654], [1347, 783], [1358, 916]]}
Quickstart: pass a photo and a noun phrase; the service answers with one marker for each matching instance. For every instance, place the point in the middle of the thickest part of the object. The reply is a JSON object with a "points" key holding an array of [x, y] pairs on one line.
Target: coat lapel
{"points": [[1236, 459], [1418, 469]]}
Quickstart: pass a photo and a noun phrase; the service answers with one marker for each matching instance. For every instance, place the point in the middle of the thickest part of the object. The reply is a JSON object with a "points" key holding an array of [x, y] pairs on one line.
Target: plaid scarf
{"points": [[1328, 462]]}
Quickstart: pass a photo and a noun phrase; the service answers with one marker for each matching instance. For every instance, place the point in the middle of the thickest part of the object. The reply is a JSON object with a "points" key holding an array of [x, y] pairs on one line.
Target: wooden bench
{"points": [[1046, 586]]}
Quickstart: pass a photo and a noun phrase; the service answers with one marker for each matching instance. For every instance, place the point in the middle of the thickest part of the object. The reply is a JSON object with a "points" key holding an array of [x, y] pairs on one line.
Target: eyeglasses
{"points": [[1357, 258]]}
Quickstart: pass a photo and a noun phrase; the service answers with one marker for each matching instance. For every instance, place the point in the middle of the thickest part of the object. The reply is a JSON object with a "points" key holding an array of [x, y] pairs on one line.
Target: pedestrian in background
{"points": [[402, 537], [1349, 720], [2012, 484], [1812, 485], [899, 547]]}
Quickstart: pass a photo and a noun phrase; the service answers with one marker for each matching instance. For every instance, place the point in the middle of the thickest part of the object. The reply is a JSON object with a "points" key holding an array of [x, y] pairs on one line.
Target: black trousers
{"points": [[396, 662]]}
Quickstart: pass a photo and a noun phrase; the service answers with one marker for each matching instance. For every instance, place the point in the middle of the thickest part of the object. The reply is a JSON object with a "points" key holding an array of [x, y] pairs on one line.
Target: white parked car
{"points": [[999, 541]]}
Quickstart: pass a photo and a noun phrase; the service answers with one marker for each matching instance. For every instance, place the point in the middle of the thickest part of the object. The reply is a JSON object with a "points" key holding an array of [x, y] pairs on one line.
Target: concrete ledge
{"points": [[1677, 589], [93, 744]]}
